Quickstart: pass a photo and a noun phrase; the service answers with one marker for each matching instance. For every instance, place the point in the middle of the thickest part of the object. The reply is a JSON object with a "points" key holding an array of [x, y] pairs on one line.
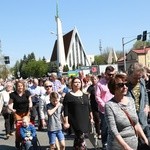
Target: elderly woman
{"points": [[121, 117], [44, 100], [8, 115]]}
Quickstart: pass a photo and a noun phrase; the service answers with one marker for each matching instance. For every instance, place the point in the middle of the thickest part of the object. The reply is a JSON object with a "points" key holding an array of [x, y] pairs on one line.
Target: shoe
{"points": [[7, 136], [12, 133], [99, 137], [104, 146]]}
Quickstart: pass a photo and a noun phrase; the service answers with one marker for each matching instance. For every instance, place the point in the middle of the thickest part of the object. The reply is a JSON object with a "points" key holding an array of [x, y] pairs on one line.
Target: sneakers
{"points": [[104, 146], [99, 137], [12, 133], [7, 136]]}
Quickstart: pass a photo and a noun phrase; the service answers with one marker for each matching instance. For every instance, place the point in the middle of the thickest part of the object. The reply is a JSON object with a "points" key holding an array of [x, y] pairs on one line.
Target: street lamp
{"points": [[123, 44]]}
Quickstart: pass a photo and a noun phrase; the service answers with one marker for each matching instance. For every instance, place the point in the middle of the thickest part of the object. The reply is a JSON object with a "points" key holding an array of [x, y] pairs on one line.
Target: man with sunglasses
{"points": [[102, 95]]}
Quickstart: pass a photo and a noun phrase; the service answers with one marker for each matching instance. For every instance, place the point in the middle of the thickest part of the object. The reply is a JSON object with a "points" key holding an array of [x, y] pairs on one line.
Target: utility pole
{"points": [[100, 46]]}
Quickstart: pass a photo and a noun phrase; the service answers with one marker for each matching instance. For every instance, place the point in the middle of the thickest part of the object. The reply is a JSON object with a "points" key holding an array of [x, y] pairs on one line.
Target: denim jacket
{"points": [[143, 102]]}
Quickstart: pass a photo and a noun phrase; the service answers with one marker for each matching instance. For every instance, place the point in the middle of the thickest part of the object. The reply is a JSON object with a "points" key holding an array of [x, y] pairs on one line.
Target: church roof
{"points": [[67, 39]]}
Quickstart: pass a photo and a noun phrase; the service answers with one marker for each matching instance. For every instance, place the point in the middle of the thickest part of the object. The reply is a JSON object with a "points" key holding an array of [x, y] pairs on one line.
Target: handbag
{"points": [[131, 121], [141, 144], [5, 110]]}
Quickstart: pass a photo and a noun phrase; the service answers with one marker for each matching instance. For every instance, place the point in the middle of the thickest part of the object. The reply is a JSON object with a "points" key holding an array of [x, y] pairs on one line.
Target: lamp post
{"points": [[124, 55]]}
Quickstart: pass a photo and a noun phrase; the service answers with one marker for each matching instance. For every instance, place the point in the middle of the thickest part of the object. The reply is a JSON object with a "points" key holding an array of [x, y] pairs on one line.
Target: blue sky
{"points": [[26, 25]]}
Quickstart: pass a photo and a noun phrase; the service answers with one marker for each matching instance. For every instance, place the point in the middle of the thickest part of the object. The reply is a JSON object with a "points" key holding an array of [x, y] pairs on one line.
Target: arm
{"points": [[10, 106], [1, 102], [51, 111], [22, 133], [30, 102], [42, 107], [123, 143], [33, 130], [146, 101], [91, 117], [98, 95], [66, 122], [146, 108], [140, 133]]}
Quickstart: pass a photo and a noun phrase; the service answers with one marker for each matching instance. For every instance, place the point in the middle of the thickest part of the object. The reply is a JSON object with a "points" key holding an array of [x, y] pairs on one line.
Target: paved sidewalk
{"points": [[42, 137]]}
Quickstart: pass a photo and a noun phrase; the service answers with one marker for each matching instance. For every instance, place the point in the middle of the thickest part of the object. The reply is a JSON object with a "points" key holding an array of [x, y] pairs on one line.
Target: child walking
{"points": [[28, 134], [55, 120]]}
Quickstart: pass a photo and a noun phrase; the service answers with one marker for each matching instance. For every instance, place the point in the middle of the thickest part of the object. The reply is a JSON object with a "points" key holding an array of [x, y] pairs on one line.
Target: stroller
{"points": [[20, 143]]}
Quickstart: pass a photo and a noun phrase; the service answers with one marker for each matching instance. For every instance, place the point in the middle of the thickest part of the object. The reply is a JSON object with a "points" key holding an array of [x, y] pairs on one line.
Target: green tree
{"points": [[73, 67], [53, 67], [65, 68], [35, 69], [29, 67], [141, 44]]}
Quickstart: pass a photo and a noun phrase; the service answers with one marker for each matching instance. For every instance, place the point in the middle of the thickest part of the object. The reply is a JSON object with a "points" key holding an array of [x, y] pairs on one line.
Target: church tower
{"points": [[61, 60]]}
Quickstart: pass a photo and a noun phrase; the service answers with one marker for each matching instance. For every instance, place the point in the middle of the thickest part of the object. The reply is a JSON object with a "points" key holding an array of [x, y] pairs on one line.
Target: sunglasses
{"points": [[48, 86], [120, 85], [109, 74]]}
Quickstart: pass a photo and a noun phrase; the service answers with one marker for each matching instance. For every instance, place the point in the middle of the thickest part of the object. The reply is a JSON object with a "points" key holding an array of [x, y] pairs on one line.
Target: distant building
{"points": [[137, 55], [112, 57]]}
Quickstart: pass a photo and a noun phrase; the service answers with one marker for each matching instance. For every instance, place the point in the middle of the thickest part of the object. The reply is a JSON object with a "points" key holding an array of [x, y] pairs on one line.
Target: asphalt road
{"points": [[43, 140]]}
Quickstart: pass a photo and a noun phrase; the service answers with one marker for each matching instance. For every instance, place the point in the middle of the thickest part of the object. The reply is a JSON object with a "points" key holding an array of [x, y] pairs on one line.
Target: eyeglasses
{"points": [[48, 86], [120, 85]]}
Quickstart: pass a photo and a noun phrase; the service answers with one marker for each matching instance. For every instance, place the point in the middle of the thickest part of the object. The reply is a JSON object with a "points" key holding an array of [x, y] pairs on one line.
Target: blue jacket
{"points": [[28, 131], [143, 102]]}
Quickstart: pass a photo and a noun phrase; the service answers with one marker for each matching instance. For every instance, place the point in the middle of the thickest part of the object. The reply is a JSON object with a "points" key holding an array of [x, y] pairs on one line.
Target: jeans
{"points": [[31, 145], [53, 134], [104, 129], [35, 112], [97, 121]]}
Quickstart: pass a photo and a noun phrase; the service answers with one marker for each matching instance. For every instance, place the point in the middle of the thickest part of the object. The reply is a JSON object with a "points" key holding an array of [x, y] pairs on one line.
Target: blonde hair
{"points": [[26, 118], [54, 95]]}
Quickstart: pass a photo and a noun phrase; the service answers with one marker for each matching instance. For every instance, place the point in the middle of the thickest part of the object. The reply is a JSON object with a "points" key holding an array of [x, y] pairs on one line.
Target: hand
{"points": [[44, 123], [66, 125], [30, 138], [146, 110], [58, 104], [13, 110], [146, 141], [128, 148], [26, 138], [92, 121]]}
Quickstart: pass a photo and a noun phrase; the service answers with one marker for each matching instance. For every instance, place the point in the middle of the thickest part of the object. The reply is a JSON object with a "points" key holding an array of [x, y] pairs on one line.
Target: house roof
{"points": [[137, 51], [67, 39], [141, 51], [120, 59]]}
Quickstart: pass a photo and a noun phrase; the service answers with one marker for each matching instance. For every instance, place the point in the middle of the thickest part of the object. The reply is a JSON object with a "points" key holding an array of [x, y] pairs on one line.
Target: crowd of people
{"points": [[117, 103]]}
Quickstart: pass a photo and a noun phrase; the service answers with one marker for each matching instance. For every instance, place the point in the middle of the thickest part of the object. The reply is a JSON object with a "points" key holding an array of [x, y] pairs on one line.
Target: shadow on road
{"points": [[6, 147]]}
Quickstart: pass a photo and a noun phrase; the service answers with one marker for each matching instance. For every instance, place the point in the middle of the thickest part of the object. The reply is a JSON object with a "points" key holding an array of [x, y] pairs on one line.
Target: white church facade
{"points": [[73, 51], [68, 49]]}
